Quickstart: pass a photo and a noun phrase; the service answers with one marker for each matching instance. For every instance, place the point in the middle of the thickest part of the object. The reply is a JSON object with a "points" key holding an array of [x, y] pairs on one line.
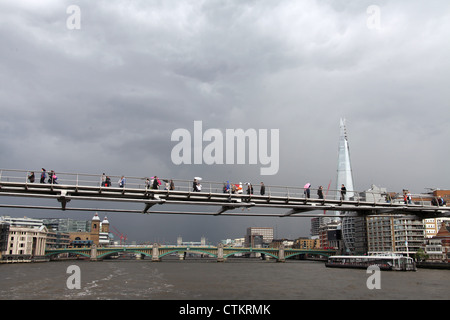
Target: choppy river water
{"points": [[207, 279]]}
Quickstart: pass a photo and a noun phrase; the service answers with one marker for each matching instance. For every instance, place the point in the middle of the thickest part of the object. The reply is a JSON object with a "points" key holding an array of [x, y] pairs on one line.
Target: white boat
{"points": [[384, 262]]}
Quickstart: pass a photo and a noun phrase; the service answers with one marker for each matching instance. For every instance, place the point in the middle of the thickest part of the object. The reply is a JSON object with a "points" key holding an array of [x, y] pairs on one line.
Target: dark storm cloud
{"points": [[109, 95]]}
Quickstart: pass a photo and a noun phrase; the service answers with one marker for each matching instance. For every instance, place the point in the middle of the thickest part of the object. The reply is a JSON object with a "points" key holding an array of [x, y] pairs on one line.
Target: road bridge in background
{"points": [[156, 252]]}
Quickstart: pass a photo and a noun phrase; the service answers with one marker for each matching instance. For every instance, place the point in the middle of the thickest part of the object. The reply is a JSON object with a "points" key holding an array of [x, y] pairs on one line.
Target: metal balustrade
{"points": [[95, 180], [82, 186]]}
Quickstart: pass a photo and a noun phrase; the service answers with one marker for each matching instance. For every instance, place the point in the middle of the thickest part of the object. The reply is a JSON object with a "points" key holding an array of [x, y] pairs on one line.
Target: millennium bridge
{"points": [[156, 252], [278, 201]]}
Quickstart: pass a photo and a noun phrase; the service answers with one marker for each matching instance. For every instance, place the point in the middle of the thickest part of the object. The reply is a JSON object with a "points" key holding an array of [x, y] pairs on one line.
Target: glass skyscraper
{"points": [[344, 170], [345, 177]]}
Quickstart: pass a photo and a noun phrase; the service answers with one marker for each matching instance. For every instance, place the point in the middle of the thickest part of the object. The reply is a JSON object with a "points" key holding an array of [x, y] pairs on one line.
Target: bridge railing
{"points": [[97, 180]]}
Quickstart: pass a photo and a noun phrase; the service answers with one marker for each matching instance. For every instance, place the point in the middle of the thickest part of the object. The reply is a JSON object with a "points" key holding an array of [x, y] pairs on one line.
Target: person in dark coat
{"points": [[156, 183], [43, 175], [320, 192], [343, 192], [195, 186], [263, 189]]}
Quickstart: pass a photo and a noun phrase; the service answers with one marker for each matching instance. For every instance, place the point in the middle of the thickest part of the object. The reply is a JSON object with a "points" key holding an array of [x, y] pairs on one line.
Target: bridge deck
{"points": [[14, 183]]}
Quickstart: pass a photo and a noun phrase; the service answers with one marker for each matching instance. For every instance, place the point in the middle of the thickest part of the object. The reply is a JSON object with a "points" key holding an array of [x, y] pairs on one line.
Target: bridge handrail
{"points": [[87, 179]]}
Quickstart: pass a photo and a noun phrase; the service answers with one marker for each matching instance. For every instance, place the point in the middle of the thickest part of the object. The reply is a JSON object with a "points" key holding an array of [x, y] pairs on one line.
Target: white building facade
{"points": [[26, 239]]}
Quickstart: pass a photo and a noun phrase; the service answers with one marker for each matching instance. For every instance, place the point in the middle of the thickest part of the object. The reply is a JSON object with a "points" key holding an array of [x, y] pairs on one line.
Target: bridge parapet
{"points": [[71, 186], [157, 252], [76, 181]]}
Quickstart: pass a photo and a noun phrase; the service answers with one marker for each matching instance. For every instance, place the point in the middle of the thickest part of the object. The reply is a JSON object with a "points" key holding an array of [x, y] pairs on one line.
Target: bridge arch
{"points": [[188, 250], [323, 254], [81, 253], [250, 251], [108, 253], [105, 252]]}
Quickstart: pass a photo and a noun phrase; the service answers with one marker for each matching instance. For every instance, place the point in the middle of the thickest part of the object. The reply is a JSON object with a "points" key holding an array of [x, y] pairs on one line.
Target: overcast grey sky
{"points": [[107, 97]]}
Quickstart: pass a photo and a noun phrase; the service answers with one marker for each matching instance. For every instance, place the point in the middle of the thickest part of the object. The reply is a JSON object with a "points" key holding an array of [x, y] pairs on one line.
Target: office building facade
{"points": [[394, 235], [258, 236]]}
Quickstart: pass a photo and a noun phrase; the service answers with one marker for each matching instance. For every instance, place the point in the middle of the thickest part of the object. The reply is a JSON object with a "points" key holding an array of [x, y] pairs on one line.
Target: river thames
{"points": [[235, 279]]}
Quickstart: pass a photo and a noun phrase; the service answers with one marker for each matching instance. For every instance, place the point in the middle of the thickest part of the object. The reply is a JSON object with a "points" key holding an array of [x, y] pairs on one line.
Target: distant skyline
{"points": [[101, 86]]}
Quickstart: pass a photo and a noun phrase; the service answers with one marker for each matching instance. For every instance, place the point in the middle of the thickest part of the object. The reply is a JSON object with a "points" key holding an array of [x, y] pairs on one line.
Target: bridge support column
{"points": [[93, 253], [220, 257], [281, 254], [155, 252]]}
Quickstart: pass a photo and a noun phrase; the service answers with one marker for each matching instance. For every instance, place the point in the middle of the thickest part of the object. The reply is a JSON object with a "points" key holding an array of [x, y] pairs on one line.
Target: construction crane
{"points": [[120, 235]]}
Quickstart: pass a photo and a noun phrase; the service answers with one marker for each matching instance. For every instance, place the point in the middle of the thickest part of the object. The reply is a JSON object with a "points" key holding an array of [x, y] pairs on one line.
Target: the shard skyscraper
{"points": [[344, 170], [345, 177]]}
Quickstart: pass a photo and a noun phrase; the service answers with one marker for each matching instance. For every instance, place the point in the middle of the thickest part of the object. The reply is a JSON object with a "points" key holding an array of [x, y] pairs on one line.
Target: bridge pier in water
{"points": [[155, 253], [220, 257], [93, 253], [281, 257]]}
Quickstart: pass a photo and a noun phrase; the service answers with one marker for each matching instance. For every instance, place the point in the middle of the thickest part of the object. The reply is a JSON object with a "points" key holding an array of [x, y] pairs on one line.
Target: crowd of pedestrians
{"points": [[155, 183], [52, 178]]}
